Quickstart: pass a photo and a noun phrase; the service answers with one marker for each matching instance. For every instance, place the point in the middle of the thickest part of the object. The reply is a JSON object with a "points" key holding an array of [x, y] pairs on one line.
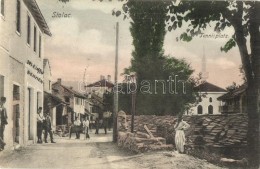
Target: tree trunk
{"points": [[253, 85], [253, 91]]}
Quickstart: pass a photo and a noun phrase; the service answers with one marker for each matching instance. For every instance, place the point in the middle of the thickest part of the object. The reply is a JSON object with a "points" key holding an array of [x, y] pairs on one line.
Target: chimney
{"points": [[109, 78], [102, 77], [59, 81]]}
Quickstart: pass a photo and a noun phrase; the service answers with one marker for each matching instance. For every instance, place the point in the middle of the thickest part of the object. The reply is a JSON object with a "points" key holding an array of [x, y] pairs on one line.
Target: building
{"points": [[51, 102], [234, 101], [23, 31], [101, 86], [208, 102], [65, 115]]}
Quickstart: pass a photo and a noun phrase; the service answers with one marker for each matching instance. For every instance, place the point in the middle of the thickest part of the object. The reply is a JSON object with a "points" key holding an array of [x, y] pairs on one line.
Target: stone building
{"points": [[23, 31]]}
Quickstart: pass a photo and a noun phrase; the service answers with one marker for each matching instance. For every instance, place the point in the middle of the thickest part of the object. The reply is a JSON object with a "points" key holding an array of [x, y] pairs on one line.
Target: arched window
{"points": [[200, 99], [210, 109], [210, 99], [199, 109]]}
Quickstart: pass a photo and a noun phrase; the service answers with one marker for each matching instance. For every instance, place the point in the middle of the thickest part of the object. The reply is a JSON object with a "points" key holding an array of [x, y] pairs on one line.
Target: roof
{"points": [[234, 93], [74, 92], [37, 15], [97, 101], [54, 97], [101, 83], [208, 87]]}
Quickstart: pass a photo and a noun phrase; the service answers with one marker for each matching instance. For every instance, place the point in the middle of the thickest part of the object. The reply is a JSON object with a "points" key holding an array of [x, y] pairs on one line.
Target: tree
{"points": [[148, 22], [244, 18]]}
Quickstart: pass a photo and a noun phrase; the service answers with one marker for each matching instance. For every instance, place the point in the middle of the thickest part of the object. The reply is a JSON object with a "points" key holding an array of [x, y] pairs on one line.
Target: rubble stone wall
{"points": [[224, 134]]}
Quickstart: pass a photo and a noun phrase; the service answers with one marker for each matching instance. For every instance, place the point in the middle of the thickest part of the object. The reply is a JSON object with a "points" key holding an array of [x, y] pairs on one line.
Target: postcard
{"points": [[129, 84]]}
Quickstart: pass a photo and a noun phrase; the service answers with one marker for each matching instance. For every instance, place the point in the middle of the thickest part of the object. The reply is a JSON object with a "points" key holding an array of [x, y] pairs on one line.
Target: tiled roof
{"points": [[74, 92], [208, 87], [57, 99], [101, 83], [37, 15], [97, 101], [234, 93]]}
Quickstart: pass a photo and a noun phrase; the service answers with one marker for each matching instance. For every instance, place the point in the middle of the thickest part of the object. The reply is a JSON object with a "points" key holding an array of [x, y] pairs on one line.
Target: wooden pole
{"points": [[116, 89]]}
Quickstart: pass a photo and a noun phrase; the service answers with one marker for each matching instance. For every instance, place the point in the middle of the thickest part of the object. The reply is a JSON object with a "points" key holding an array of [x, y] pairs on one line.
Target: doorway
{"points": [[30, 114], [16, 113]]}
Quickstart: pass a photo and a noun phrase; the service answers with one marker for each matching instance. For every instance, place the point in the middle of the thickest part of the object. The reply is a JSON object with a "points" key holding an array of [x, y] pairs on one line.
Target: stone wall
{"points": [[223, 134]]}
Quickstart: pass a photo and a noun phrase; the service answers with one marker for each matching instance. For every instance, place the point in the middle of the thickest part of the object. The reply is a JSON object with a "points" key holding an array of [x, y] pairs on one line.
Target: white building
{"points": [[101, 86], [22, 32], [208, 103]]}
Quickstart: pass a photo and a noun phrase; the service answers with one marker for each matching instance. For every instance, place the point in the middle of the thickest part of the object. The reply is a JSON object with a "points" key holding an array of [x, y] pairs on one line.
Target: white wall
{"points": [[47, 78], [205, 103], [14, 54], [79, 108]]}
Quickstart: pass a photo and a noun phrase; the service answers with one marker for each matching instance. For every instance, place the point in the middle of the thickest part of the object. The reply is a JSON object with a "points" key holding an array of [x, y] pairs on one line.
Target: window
{"points": [[67, 99], [210, 109], [34, 39], [3, 7], [200, 99], [18, 16], [28, 30], [210, 99], [16, 92], [200, 110], [40, 45]]}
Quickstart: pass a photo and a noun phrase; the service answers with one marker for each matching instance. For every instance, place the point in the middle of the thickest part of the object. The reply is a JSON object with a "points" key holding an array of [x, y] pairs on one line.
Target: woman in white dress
{"points": [[180, 126]]}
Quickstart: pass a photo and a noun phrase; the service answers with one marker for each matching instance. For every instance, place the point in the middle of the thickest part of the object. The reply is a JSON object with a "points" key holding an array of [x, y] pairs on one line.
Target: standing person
{"points": [[40, 119], [47, 127], [97, 125], [86, 127], [105, 124], [77, 124], [3, 122], [180, 126]]}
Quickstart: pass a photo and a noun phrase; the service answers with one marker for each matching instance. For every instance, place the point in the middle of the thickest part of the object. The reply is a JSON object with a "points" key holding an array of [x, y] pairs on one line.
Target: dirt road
{"points": [[97, 153]]}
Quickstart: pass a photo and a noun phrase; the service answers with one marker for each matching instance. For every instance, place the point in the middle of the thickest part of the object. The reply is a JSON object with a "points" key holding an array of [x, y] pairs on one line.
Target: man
{"points": [[86, 126], [105, 124], [40, 119], [47, 127], [3, 122], [77, 124]]}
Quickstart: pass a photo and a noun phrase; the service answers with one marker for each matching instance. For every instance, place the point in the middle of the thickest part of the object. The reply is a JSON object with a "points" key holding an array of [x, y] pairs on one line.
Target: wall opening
{"points": [[16, 113], [200, 109], [210, 109]]}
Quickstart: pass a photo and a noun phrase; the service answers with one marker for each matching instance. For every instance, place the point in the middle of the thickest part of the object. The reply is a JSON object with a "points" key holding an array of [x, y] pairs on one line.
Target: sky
{"points": [[86, 40]]}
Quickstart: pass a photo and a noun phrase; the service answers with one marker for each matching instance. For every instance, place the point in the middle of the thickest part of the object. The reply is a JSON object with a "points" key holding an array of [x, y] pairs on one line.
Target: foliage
{"points": [[244, 18]]}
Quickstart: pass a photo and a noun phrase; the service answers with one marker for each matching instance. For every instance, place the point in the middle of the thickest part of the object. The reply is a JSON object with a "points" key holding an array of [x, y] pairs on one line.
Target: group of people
{"points": [[44, 123], [85, 124], [99, 123]]}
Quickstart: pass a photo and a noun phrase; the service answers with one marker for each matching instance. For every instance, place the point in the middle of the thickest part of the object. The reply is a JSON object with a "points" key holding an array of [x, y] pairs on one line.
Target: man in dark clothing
{"points": [[47, 127], [97, 125], [3, 122], [105, 124]]}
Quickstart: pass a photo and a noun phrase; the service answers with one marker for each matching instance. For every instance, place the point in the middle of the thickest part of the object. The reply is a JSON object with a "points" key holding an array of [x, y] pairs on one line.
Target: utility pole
{"points": [[116, 89]]}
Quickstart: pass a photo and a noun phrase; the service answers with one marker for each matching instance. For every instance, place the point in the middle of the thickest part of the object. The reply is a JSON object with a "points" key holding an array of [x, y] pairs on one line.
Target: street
{"points": [[98, 152]]}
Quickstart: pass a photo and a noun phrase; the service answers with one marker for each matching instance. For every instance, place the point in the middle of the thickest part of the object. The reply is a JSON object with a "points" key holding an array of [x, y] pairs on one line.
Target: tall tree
{"points": [[244, 18], [148, 29]]}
